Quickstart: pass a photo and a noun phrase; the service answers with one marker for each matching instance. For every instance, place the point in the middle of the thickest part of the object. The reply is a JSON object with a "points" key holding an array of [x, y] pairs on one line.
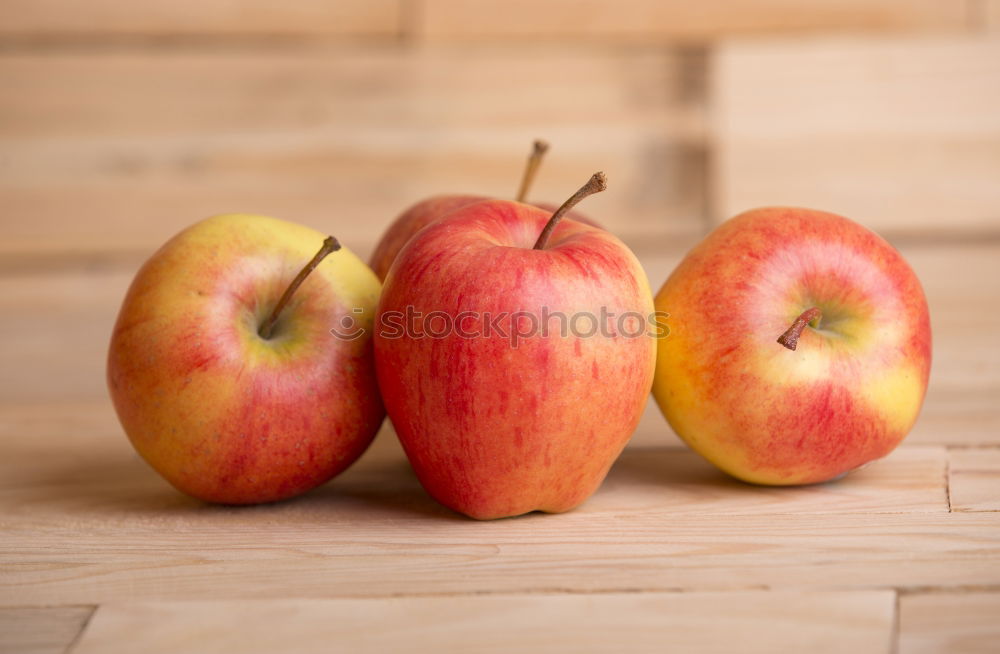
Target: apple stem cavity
{"points": [[330, 244], [790, 338], [597, 183], [538, 150]]}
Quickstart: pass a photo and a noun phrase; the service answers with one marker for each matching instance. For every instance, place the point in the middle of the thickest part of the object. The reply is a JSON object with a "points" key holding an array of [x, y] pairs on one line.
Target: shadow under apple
{"points": [[111, 483]]}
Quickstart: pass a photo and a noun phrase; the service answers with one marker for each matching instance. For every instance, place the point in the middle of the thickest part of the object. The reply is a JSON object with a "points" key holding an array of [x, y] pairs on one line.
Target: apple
{"points": [[434, 208], [232, 390], [497, 416], [799, 347], [412, 221]]}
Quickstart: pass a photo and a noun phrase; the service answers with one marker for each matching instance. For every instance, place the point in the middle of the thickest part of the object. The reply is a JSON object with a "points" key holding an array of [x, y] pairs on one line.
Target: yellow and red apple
{"points": [[799, 347], [225, 404], [497, 415]]}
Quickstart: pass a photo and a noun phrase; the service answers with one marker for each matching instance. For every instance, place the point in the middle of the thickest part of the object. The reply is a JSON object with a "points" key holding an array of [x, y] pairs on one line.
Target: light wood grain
{"points": [[41, 630], [119, 151], [680, 482], [974, 480], [691, 622], [675, 19], [902, 135], [949, 622], [64, 18], [83, 520], [368, 543]]}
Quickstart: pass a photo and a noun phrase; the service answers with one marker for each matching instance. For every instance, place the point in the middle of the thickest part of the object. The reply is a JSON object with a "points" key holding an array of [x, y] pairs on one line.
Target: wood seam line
{"points": [[947, 477], [894, 635], [79, 634]]}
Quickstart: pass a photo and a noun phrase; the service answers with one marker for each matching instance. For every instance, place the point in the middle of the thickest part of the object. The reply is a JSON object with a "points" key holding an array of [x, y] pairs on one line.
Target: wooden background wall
{"points": [[120, 123]]}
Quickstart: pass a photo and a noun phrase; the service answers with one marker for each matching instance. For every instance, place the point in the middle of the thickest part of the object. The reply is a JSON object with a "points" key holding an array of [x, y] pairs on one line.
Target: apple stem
{"points": [[538, 151], [597, 183], [790, 338], [330, 244]]}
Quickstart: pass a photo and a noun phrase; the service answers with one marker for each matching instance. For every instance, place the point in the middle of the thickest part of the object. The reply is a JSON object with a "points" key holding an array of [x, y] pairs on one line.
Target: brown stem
{"points": [[538, 151], [330, 244], [597, 183], [790, 338]]}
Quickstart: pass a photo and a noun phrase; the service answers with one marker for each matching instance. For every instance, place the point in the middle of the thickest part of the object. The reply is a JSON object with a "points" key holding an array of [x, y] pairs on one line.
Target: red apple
{"points": [[497, 417], [427, 211], [231, 389], [799, 347]]}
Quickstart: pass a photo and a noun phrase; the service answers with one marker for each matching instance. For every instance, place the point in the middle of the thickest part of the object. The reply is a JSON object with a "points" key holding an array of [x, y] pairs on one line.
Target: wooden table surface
{"points": [[119, 126]]}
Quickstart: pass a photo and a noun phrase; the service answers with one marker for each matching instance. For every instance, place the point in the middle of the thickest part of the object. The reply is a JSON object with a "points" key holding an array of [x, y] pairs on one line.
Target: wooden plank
{"points": [[910, 480], [974, 480], [116, 152], [900, 134], [83, 520], [631, 19], [212, 17], [41, 630], [365, 542], [691, 622], [949, 622]]}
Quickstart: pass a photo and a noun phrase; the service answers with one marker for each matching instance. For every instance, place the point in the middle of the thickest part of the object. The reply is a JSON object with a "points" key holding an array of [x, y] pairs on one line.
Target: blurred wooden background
{"points": [[122, 122]]}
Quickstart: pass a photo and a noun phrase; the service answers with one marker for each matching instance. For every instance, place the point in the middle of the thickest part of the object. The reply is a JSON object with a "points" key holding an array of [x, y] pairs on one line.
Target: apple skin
{"points": [[765, 414], [410, 222], [221, 413], [424, 213], [494, 431]]}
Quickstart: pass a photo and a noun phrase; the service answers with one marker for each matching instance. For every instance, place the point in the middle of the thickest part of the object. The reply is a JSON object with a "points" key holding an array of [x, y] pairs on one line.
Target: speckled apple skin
{"points": [[222, 414], [847, 395], [491, 430]]}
